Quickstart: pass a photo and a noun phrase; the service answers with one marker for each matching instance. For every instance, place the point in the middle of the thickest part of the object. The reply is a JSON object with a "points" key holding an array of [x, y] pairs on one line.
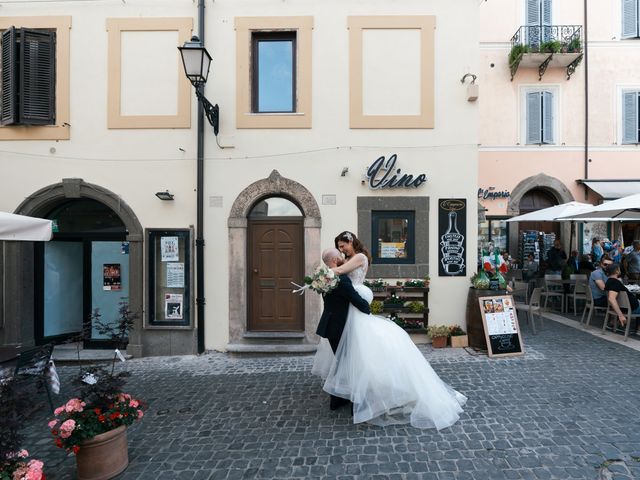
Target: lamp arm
{"points": [[211, 111]]}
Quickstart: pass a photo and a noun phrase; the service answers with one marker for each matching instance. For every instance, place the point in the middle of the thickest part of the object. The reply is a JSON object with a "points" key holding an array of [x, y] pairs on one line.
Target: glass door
{"points": [[109, 283]]}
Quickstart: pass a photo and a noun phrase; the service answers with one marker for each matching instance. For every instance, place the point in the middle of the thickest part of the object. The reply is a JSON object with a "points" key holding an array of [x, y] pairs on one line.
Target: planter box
{"points": [[459, 341], [439, 342]]}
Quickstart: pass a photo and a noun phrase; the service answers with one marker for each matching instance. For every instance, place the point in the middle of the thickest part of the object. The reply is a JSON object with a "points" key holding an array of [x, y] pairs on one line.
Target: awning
{"points": [[612, 189]]}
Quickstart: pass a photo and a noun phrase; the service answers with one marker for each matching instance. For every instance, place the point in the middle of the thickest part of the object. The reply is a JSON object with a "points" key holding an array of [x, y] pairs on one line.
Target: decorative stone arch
{"points": [[543, 182], [20, 272], [274, 185]]}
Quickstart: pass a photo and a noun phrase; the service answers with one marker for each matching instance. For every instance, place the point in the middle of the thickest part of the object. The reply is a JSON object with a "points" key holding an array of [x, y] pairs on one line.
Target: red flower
{"points": [[101, 418], [54, 432], [97, 410], [76, 449], [114, 415], [58, 443]]}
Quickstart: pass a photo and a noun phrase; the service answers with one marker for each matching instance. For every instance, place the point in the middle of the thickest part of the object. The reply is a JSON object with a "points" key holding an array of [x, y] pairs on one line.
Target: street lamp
{"points": [[196, 61]]}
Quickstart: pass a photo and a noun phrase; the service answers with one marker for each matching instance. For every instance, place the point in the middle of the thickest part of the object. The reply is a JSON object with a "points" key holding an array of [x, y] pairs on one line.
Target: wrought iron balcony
{"points": [[544, 46]]}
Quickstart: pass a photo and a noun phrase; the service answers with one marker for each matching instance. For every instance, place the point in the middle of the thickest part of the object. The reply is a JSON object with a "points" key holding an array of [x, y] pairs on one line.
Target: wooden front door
{"points": [[276, 252]]}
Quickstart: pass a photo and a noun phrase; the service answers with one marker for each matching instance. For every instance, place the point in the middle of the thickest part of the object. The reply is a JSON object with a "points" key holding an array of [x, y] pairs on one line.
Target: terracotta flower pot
{"points": [[439, 342], [103, 456], [459, 341]]}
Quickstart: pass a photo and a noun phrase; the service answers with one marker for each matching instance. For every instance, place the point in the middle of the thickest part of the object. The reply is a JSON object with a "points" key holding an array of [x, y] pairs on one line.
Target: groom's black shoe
{"points": [[337, 402]]}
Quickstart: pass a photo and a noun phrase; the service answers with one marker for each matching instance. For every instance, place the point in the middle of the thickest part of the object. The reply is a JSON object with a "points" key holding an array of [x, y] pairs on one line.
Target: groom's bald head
{"points": [[332, 257]]}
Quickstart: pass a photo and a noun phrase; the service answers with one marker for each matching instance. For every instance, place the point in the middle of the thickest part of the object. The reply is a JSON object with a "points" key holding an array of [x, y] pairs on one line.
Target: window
{"points": [[273, 72], [28, 77], [540, 117], [630, 19], [630, 123], [273, 80], [538, 20], [393, 237]]}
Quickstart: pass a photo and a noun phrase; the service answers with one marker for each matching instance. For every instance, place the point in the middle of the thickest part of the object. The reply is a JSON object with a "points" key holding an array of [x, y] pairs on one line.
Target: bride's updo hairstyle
{"points": [[357, 245]]}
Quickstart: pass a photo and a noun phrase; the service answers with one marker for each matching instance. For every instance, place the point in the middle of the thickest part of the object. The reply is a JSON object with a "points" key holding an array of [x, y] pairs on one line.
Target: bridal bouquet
{"points": [[322, 281]]}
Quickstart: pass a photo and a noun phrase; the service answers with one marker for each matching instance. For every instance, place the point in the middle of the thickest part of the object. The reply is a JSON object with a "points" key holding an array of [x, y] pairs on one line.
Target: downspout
{"points": [[200, 205], [586, 102]]}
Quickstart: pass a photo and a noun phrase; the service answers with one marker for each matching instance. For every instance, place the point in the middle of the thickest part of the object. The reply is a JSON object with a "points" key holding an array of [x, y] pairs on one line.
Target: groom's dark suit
{"points": [[336, 309]]}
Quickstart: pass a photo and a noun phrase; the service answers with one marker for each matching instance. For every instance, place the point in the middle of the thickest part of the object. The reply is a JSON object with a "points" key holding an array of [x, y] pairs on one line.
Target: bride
{"points": [[378, 367]]}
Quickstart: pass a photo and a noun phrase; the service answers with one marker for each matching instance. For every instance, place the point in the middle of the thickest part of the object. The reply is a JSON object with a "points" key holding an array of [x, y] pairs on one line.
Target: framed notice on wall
{"points": [[501, 327], [169, 267], [452, 232]]}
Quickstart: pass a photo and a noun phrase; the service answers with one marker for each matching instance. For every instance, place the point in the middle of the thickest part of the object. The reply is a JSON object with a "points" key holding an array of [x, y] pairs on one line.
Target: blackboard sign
{"points": [[501, 327], [452, 229]]}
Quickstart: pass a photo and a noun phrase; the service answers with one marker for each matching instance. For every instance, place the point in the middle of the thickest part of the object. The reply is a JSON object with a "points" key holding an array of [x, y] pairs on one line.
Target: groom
{"points": [[336, 309]]}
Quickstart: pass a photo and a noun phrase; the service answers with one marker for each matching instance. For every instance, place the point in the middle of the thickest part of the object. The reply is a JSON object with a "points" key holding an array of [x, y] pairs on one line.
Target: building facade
{"points": [[333, 116], [559, 113]]}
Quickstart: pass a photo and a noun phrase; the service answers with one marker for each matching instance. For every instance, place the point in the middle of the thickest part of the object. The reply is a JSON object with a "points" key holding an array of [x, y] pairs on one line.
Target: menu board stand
{"points": [[501, 328]]}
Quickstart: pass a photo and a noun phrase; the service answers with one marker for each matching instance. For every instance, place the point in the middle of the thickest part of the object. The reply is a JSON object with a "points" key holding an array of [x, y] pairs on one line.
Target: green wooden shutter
{"points": [[9, 77], [38, 78]]}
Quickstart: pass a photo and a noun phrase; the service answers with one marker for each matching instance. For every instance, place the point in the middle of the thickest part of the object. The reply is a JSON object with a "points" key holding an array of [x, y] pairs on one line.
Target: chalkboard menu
{"points": [[452, 229], [501, 327]]}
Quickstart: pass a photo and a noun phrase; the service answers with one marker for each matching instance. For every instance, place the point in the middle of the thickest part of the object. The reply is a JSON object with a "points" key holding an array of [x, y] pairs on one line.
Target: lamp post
{"points": [[196, 61]]}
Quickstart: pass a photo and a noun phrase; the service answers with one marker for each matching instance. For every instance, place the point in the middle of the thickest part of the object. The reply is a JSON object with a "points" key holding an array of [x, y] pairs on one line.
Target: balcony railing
{"points": [[544, 45]]}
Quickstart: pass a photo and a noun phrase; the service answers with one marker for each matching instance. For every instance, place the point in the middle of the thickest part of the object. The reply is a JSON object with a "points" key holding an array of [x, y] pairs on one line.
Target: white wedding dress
{"points": [[378, 367]]}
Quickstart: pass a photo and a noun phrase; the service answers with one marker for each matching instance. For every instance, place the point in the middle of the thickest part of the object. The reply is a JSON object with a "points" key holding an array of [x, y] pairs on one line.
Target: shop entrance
{"points": [[275, 258], [547, 232], [83, 269]]}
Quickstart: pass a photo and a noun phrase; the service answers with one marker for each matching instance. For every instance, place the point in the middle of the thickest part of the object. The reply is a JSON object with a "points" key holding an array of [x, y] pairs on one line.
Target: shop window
{"points": [[169, 278], [273, 72], [273, 80], [28, 77], [630, 20], [540, 117], [494, 230], [393, 237], [630, 122]]}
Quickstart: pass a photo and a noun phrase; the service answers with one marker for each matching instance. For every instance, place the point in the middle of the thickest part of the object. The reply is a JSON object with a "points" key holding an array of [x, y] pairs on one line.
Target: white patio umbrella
{"points": [[552, 214], [21, 227], [622, 209]]}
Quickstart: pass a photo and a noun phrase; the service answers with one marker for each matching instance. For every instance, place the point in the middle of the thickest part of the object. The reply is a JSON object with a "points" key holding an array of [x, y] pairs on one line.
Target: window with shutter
{"points": [[630, 121], [28, 77], [630, 19], [540, 117], [538, 20]]}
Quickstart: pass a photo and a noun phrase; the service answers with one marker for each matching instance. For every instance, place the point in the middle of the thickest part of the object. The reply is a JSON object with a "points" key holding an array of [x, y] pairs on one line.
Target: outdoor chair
{"points": [[578, 291], [32, 364], [553, 288], [623, 302], [532, 307], [591, 308], [521, 290]]}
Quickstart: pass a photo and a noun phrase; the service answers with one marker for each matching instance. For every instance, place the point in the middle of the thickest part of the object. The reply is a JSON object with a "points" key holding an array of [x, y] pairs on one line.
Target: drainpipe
{"points": [[200, 205], [586, 102]]}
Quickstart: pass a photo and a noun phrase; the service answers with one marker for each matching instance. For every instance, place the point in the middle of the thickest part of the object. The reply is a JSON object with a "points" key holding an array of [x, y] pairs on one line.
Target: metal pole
{"points": [[200, 301], [586, 102]]}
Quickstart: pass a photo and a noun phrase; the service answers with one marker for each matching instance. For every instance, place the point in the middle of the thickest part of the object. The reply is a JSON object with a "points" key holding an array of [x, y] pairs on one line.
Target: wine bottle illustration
{"points": [[451, 246]]}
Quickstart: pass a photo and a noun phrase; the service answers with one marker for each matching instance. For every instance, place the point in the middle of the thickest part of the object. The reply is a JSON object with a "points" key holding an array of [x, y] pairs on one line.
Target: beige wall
{"points": [[135, 163]]}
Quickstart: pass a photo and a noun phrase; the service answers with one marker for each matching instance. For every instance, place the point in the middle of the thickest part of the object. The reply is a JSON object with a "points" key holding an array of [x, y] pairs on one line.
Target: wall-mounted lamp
{"points": [[344, 172], [196, 61], [164, 195], [473, 90]]}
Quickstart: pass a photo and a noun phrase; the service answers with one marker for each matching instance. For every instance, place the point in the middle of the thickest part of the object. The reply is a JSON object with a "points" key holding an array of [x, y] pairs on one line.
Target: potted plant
{"points": [[458, 337], [415, 306], [377, 306], [14, 461], [93, 424], [414, 284], [516, 53], [439, 335], [575, 45], [393, 302], [377, 285]]}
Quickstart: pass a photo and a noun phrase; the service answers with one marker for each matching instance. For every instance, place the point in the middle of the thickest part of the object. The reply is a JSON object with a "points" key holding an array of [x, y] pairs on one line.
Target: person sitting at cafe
{"points": [[574, 262], [614, 287], [632, 260], [529, 268], [556, 258], [597, 281]]}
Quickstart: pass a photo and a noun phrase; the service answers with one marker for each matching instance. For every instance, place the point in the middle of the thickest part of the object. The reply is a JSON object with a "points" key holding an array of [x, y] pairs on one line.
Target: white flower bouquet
{"points": [[322, 281]]}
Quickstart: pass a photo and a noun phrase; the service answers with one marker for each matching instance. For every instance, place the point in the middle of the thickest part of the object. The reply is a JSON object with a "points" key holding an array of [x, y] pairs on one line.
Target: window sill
{"points": [[35, 132], [274, 120]]}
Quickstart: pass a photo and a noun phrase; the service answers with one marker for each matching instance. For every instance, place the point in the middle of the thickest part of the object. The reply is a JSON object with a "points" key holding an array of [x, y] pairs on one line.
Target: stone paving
{"points": [[567, 409]]}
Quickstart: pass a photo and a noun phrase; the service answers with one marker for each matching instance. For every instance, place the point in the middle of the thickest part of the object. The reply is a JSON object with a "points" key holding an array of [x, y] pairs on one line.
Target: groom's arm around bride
{"points": [[336, 303]]}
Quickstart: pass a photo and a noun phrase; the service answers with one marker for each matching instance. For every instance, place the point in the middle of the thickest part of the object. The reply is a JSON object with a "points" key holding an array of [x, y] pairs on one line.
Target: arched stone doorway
{"points": [[534, 193], [240, 339], [20, 312]]}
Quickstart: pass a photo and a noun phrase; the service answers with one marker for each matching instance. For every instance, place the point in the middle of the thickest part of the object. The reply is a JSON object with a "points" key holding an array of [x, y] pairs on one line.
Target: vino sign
{"points": [[383, 174], [452, 229]]}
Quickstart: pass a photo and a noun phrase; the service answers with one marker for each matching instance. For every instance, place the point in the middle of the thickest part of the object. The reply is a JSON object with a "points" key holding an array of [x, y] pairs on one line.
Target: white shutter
{"points": [[547, 118], [629, 18], [533, 118], [533, 15], [630, 117], [545, 17]]}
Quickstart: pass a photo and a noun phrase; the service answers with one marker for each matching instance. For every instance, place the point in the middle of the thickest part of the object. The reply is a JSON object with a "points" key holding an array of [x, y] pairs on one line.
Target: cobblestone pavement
{"points": [[567, 409]]}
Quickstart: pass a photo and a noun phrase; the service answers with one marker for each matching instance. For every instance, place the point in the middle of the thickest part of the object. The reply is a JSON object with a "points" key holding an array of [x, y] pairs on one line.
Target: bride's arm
{"points": [[350, 265]]}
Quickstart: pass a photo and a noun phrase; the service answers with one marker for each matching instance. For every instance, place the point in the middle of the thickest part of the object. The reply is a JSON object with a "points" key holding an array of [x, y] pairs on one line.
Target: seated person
{"points": [[586, 265], [529, 267], [574, 262], [614, 287], [597, 281]]}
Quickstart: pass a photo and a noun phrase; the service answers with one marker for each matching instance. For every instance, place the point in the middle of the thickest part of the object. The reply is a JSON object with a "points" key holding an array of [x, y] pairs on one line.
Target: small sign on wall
{"points": [[452, 230], [111, 276]]}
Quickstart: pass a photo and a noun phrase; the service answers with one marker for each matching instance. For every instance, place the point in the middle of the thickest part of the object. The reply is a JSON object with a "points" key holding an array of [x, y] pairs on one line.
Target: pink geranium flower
{"points": [[67, 427]]}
